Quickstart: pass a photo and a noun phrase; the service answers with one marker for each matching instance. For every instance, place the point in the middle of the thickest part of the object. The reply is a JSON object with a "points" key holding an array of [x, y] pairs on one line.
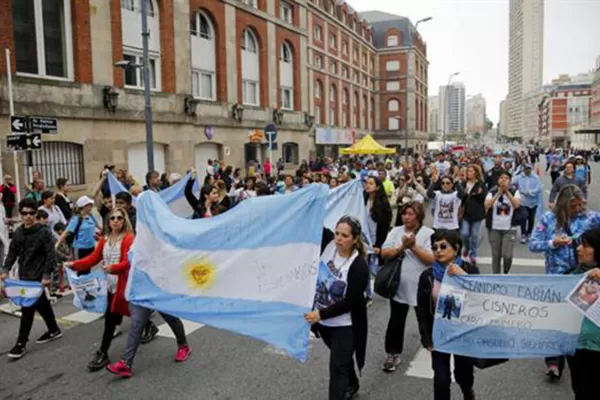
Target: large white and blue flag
{"points": [[506, 316], [91, 290], [348, 199], [23, 293], [251, 270]]}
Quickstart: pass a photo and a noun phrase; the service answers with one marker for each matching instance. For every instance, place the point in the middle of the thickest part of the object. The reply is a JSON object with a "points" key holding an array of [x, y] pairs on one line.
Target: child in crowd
{"points": [[42, 217]]}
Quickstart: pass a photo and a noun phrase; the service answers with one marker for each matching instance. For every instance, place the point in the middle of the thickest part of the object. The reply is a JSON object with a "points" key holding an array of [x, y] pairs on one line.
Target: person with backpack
{"points": [[81, 230]]}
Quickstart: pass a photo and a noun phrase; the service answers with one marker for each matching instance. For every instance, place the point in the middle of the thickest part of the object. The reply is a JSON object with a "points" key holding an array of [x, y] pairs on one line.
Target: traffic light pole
{"points": [[29, 130]]}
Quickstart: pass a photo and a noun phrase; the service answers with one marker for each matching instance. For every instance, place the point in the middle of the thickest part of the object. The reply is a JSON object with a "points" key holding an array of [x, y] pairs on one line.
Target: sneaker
{"points": [[49, 336], [523, 239], [183, 353], [473, 260], [369, 302], [351, 392], [99, 361], [149, 333], [18, 351], [120, 369], [553, 372], [391, 362]]}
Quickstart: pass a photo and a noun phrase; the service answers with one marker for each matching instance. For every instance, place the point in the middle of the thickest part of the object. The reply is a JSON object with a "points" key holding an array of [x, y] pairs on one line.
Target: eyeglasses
{"points": [[30, 213], [116, 218], [446, 183], [440, 247]]}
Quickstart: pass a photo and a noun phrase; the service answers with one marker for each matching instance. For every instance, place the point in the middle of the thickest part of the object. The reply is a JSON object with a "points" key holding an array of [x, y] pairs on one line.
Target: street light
{"points": [[145, 67], [446, 119], [410, 46]]}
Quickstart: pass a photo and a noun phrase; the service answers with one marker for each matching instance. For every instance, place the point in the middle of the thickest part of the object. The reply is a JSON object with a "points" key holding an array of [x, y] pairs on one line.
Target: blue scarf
{"points": [[439, 270]]}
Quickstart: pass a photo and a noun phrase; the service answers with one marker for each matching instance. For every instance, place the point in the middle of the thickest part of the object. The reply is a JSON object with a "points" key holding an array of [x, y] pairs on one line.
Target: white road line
{"points": [[10, 308], [83, 317], [517, 262], [420, 366], [190, 327]]}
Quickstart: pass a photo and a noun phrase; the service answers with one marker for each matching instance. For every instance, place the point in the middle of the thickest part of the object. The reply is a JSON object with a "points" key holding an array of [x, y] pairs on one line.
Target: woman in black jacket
{"points": [[473, 211], [446, 245], [208, 203], [340, 313]]}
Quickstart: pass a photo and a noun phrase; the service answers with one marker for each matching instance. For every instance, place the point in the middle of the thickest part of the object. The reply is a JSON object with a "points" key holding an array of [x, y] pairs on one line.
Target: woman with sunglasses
{"points": [[340, 314], [112, 251], [412, 240], [446, 247], [446, 197]]}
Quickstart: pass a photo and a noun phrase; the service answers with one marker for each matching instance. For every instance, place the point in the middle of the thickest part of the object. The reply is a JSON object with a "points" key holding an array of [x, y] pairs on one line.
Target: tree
{"points": [[432, 137]]}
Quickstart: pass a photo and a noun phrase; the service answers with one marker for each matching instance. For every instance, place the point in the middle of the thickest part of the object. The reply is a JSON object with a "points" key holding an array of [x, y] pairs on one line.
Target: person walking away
{"points": [[340, 314], [583, 172], [412, 242], [500, 204], [446, 247], [81, 230], [473, 211], [556, 161], [9, 195], [584, 363], [62, 199], [529, 185], [568, 178], [32, 247], [112, 251]]}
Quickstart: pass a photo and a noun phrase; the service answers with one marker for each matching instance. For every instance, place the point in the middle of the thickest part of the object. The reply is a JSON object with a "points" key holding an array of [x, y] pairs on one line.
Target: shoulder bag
{"points": [[70, 238]]}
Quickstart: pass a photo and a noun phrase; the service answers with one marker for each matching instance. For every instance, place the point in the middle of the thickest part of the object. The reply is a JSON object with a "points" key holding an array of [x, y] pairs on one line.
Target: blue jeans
{"points": [[469, 231], [373, 265]]}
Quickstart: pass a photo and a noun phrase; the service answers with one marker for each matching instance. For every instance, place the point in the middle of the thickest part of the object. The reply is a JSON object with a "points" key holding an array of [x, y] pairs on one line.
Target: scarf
{"points": [[439, 270]]}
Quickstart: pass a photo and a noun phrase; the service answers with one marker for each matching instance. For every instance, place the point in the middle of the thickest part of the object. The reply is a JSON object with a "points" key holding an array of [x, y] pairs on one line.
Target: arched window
{"points": [[356, 105], [345, 97], [333, 94], [204, 65], [60, 160], [286, 77], [393, 105], [318, 89], [318, 119], [250, 68]]}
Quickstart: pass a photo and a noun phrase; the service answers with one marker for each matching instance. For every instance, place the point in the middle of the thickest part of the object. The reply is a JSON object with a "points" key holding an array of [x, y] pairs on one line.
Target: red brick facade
{"points": [[6, 36], [167, 45], [117, 41], [82, 41]]}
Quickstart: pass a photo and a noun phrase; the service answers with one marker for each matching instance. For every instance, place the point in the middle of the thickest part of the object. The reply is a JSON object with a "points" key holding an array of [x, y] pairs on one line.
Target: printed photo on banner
{"points": [[584, 298], [90, 290], [450, 303]]}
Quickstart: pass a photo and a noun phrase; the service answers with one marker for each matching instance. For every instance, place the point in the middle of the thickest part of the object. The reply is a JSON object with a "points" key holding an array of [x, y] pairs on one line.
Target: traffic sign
{"points": [[271, 132], [18, 124], [35, 141], [44, 125], [16, 142]]}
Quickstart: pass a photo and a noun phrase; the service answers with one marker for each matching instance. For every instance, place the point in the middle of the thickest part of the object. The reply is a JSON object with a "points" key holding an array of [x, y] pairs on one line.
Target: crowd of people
{"points": [[459, 192]]}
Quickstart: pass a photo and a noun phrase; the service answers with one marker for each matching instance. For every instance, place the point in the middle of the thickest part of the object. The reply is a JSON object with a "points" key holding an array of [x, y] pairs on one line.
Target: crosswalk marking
{"points": [[10, 308], [420, 366], [190, 327], [83, 317], [517, 262]]}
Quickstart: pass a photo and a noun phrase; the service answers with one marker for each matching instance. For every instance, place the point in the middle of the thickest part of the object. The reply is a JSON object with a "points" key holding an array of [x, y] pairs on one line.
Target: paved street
{"points": [[225, 366]]}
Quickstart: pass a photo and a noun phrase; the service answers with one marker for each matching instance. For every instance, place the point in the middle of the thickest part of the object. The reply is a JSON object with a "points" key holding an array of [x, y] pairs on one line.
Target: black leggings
{"points": [[342, 375], [111, 321], [394, 336]]}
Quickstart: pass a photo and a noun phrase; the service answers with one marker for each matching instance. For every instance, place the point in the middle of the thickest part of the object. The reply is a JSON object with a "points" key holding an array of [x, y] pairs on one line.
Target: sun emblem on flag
{"points": [[200, 273], [22, 292]]}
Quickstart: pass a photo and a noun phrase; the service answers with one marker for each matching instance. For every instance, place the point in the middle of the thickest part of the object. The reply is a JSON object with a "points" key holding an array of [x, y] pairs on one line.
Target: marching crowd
{"points": [[458, 191]]}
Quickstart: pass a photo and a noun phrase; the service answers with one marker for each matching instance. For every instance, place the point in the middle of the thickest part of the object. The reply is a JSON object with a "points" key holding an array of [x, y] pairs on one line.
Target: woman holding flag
{"points": [[112, 251]]}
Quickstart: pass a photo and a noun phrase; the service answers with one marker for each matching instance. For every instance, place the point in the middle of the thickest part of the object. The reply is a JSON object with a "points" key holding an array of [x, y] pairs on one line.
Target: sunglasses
{"points": [[116, 218], [440, 247], [30, 213], [446, 183]]}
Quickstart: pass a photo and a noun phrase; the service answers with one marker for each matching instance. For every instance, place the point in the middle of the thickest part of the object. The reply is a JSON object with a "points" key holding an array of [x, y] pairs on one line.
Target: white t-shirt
{"points": [[332, 283], [412, 267], [445, 212], [502, 211]]}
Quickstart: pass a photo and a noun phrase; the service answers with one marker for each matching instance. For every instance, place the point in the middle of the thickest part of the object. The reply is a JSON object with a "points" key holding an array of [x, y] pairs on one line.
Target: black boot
{"points": [[99, 361]]}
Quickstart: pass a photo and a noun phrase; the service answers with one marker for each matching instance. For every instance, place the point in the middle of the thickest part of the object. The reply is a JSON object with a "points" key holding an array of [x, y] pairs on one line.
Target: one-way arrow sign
{"points": [[17, 124], [35, 141]]}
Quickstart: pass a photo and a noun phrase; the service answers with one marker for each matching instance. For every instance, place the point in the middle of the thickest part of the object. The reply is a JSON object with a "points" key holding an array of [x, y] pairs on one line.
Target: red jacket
{"points": [[119, 305]]}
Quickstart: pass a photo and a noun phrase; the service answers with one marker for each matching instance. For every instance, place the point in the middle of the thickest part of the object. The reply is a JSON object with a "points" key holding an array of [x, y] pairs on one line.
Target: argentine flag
{"points": [[251, 270], [23, 293]]}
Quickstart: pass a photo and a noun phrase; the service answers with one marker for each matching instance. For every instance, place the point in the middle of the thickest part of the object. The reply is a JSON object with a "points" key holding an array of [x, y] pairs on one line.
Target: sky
{"points": [[471, 37]]}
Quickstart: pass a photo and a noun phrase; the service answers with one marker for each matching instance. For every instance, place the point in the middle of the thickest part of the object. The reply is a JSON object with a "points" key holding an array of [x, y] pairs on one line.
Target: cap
{"points": [[84, 201], [579, 158]]}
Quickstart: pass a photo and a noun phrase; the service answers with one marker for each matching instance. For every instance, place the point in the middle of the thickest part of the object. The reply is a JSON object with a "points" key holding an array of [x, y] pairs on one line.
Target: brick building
{"points": [[220, 71]]}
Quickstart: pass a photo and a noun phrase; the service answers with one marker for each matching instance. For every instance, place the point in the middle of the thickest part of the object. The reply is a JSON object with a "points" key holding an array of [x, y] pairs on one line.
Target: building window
{"points": [[60, 160], [332, 41], [364, 60], [332, 94], [318, 89], [392, 41], [392, 86], [286, 77], [345, 72], [393, 123], [43, 38], [128, 5], [287, 98], [317, 112], [319, 62], [134, 77], [318, 33], [286, 53], [355, 55], [332, 66], [290, 153], [204, 77], [393, 105], [286, 12], [331, 116], [251, 3], [365, 81], [345, 48], [250, 69], [345, 97], [392, 66], [344, 118]]}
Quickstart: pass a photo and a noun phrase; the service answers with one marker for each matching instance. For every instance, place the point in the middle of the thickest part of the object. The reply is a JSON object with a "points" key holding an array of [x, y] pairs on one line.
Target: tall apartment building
{"points": [[433, 125], [503, 123], [533, 102], [220, 72], [453, 110], [595, 101], [526, 57], [476, 114]]}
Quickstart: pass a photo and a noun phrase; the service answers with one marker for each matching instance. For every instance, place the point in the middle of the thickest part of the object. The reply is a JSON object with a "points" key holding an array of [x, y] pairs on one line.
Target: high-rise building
{"points": [[503, 122], [476, 114], [453, 111], [434, 115], [595, 102], [526, 57]]}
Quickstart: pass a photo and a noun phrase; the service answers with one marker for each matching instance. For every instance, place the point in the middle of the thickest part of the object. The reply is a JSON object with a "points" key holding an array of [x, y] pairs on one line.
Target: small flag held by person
{"points": [[23, 293]]}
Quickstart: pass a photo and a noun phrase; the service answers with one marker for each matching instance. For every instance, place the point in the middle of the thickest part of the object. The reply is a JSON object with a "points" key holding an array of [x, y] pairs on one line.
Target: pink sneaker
{"points": [[183, 353], [120, 368]]}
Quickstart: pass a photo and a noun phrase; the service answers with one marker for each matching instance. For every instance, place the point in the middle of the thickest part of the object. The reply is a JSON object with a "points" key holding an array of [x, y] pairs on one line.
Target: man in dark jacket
{"points": [[124, 201], [33, 247], [491, 177]]}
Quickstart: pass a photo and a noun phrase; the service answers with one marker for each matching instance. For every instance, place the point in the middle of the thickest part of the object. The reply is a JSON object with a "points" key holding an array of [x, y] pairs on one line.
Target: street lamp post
{"points": [[410, 46], [446, 119]]}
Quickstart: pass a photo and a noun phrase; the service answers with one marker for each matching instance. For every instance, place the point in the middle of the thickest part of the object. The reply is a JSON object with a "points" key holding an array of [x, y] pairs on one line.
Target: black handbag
{"points": [[388, 277]]}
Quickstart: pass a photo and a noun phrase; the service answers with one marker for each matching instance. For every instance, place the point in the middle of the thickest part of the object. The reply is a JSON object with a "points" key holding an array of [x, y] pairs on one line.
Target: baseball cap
{"points": [[84, 201]]}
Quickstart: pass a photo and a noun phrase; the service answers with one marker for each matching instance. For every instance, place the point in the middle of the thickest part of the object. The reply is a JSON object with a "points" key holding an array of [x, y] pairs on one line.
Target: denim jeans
{"points": [[527, 224], [373, 265], [442, 375], [469, 231], [139, 318]]}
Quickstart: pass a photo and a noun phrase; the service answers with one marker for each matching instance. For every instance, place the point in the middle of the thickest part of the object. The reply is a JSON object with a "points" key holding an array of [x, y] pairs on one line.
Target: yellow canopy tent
{"points": [[367, 145]]}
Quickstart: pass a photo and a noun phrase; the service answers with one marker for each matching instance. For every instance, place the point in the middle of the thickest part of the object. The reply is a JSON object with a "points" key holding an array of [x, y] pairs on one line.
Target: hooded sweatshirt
{"points": [[33, 248]]}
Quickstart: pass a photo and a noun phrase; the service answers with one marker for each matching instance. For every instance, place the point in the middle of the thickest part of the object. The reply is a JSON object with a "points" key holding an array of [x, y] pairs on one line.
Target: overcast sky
{"points": [[471, 37]]}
